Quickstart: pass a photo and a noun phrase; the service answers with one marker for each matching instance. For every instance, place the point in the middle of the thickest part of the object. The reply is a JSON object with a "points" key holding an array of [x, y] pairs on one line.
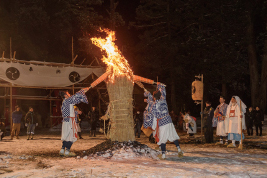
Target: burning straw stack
{"points": [[120, 79], [121, 111]]}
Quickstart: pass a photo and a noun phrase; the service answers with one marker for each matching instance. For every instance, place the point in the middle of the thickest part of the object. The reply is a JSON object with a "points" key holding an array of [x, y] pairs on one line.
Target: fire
{"points": [[114, 59]]}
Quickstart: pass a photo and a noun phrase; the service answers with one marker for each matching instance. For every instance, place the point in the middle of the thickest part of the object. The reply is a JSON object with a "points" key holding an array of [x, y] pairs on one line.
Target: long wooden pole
{"points": [[10, 50], [50, 115], [5, 102], [241, 141], [72, 53], [202, 106], [51, 63], [47, 88], [14, 55], [10, 107]]}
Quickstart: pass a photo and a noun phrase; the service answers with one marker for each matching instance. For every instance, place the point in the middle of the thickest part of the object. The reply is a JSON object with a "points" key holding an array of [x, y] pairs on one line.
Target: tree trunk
{"points": [[263, 87], [121, 109], [112, 15], [224, 89], [253, 63], [172, 71]]}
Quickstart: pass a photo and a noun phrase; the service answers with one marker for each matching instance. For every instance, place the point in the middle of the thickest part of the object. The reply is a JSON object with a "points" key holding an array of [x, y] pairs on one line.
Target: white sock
{"points": [[233, 141], [163, 156], [221, 140], [226, 141], [67, 152], [62, 151], [179, 149]]}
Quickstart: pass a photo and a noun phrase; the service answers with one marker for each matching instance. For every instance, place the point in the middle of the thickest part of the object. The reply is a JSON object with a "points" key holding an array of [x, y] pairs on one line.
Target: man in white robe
{"points": [[190, 124], [69, 126], [234, 116], [161, 122], [219, 121]]}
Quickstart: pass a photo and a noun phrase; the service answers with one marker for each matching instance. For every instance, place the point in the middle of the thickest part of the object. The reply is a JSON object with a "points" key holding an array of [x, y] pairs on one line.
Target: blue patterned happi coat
{"points": [[222, 111], [67, 108], [147, 115], [69, 126], [159, 110]]}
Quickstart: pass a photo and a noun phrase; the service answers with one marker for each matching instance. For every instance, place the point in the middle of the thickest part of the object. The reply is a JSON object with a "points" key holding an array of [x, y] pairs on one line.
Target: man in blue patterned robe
{"points": [[69, 126], [147, 115], [161, 121], [219, 121]]}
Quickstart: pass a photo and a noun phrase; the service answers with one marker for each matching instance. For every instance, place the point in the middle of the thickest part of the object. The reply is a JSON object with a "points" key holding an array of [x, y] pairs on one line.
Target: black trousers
{"points": [[249, 129], [259, 126], [208, 132]]}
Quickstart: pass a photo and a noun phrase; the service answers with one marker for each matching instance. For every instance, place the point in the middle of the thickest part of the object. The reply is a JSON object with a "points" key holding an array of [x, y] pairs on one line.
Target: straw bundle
{"points": [[121, 109]]}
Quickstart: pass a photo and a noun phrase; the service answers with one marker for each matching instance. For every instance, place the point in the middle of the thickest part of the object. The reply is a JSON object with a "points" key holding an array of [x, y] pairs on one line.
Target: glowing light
{"points": [[113, 58]]}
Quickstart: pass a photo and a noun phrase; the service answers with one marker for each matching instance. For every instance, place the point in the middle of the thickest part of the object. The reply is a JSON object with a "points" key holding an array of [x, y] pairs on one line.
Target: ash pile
{"points": [[120, 150]]}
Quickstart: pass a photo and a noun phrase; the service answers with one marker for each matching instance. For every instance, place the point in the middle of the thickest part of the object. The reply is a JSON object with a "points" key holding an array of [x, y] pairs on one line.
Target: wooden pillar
{"points": [[72, 53], [5, 102], [50, 104], [10, 107], [99, 105], [202, 106], [10, 49]]}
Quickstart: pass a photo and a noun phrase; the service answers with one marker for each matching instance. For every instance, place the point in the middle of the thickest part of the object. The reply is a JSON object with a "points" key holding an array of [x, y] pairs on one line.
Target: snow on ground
{"points": [[39, 158]]}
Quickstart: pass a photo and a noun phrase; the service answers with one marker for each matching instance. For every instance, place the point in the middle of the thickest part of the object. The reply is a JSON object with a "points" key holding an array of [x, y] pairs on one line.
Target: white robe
{"points": [[188, 119], [233, 124], [69, 129], [220, 130], [167, 133]]}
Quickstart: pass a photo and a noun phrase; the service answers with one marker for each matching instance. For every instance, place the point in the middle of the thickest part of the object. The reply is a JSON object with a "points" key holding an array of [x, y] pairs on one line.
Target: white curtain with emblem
{"points": [[45, 76]]}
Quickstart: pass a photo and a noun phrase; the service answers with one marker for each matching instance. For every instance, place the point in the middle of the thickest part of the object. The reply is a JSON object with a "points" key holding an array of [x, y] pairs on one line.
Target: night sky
{"points": [[174, 40]]}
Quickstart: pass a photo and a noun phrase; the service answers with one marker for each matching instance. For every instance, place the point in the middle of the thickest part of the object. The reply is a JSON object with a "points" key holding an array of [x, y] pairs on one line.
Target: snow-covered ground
{"points": [[39, 158]]}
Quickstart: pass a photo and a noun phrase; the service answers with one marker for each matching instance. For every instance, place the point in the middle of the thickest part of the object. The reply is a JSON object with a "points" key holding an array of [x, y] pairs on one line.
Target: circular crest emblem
{"points": [[74, 77], [12, 73]]}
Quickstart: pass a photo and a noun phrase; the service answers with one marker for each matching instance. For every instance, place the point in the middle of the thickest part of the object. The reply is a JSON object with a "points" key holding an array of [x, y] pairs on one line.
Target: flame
{"points": [[114, 59]]}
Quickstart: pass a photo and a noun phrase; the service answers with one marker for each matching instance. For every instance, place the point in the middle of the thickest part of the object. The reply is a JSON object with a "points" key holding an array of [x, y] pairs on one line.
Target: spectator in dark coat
{"points": [[2, 129], [259, 118], [250, 120], [138, 120], [207, 122], [93, 118], [30, 122]]}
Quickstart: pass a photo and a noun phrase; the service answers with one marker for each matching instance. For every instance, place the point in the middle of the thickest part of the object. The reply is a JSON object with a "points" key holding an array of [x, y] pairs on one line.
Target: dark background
{"points": [[173, 40]]}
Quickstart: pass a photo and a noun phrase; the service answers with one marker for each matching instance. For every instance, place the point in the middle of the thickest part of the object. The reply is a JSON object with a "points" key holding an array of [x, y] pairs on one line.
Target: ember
{"points": [[120, 150]]}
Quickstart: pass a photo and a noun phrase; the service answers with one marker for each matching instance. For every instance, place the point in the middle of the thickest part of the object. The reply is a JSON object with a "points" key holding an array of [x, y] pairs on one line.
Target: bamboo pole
{"points": [[72, 53], [50, 63], [73, 89], [82, 61], [10, 107], [50, 111], [32, 98], [5, 102], [202, 106], [72, 62], [10, 47], [241, 141], [92, 62], [14, 55], [45, 88]]}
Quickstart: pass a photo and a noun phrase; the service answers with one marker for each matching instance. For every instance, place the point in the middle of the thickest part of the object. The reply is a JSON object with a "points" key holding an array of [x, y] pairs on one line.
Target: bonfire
{"points": [[120, 80]]}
